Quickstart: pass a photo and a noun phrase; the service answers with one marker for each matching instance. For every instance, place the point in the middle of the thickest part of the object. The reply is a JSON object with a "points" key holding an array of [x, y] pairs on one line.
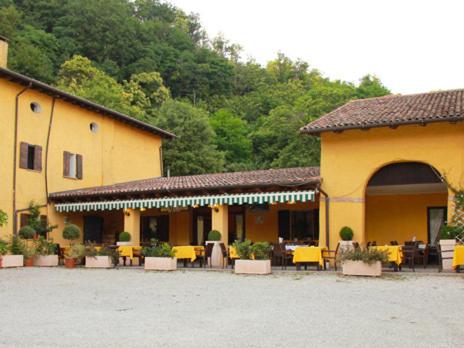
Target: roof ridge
{"points": [[407, 95]]}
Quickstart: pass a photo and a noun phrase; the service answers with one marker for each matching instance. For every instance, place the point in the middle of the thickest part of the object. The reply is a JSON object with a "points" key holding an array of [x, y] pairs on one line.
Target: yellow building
{"points": [[386, 164]]}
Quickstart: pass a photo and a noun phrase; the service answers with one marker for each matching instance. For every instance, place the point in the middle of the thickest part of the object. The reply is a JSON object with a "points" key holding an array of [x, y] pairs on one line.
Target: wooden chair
{"points": [[208, 253], [409, 255], [331, 255], [225, 255], [394, 242], [369, 244], [200, 258], [279, 253], [356, 246]]}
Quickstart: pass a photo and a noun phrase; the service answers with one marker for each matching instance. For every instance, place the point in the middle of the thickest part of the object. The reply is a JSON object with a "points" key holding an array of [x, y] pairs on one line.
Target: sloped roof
{"points": [[286, 178], [86, 104], [392, 111]]}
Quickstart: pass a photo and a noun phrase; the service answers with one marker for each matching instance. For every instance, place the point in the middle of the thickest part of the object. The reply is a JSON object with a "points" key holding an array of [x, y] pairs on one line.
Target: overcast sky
{"points": [[413, 46]]}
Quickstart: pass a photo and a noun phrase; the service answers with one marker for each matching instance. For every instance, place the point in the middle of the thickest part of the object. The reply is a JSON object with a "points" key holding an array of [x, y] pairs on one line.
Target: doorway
{"points": [[202, 224], [93, 229], [436, 218]]}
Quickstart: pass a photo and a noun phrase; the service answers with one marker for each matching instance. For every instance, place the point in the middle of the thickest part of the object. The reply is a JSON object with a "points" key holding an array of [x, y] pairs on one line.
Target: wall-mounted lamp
{"points": [[143, 209], [127, 212]]}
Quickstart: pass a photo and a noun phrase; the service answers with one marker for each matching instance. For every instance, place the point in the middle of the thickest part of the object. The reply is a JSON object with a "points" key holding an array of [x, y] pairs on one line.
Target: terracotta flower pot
{"points": [[29, 262], [69, 263]]}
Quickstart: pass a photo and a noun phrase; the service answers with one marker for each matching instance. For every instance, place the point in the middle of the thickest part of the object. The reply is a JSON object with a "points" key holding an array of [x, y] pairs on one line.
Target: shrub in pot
{"points": [[45, 253], [124, 238], [159, 257], [11, 254], [27, 232], [73, 255], [29, 254], [367, 262], [104, 257], [448, 235], [71, 232], [214, 237], [254, 258], [346, 236]]}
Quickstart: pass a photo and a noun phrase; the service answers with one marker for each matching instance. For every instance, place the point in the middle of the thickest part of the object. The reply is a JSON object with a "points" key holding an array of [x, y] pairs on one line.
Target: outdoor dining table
{"points": [[185, 252], [233, 253], [458, 257], [307, 254], [395, 255]]}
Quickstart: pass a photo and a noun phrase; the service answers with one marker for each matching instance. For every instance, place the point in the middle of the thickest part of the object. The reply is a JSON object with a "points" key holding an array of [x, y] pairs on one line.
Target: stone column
{"points": [[220, 221], [132, 224]]}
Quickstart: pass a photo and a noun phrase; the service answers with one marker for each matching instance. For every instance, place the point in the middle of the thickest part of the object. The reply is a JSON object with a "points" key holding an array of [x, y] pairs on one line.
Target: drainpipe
{"points": [[50, 124], [327, 210], [15, 155]]}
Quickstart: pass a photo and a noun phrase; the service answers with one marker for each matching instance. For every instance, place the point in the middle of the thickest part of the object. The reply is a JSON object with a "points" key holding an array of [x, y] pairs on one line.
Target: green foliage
{"points": [[40, 226], [346, 233], [124, 237], [71, 232], [16, 246], [368, 256], [261, 250], [28, 251], [244, 250], [26, 232], [450, 232], [157, 249], [3, 218], [76, 251], [214, 235], [44, 247], [4, 247], [91, 250]]}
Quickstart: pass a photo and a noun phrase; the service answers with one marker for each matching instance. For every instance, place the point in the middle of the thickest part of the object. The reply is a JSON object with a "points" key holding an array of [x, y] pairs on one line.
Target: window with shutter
{"points": [[38, 158], [72, 165], [30, 156], [66, 163], [24, 220], [79, 167], [23, 147]]}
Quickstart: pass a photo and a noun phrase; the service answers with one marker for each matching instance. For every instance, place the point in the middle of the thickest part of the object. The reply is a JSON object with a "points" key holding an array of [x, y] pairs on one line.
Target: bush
{"points": [[16, 246], [368, 256], [44, 247], [450, 232], [214, 235], [157, 249], [3, 247], [71, 232], [260, 250], [124, 237], [3, 218], [346, 233], [76, 251], [28, 251], [26, 232], [244, 250], [91, 250]]}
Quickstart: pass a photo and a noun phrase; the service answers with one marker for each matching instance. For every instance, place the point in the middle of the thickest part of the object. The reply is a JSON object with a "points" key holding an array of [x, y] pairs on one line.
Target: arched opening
{"points": [[405, 201]]}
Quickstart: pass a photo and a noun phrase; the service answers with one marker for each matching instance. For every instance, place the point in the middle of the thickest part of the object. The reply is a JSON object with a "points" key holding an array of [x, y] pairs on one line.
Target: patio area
{"points": [[130, 307]]}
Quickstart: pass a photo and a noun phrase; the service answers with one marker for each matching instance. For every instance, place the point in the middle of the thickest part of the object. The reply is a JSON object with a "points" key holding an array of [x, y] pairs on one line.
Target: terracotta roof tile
{"points": [[289, 177], [392, 111]]}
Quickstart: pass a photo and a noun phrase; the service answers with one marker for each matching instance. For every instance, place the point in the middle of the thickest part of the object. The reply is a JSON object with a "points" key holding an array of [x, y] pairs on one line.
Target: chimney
{"points": [[3, 51]]}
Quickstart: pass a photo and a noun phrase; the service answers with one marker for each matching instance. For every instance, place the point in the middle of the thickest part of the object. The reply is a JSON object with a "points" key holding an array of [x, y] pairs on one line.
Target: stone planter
{"points": [[346, 245], [447, 252], [359, 268], [160, 263], [7, 261], [98, 262], [216, 256], [252, 267], [46, 260]]}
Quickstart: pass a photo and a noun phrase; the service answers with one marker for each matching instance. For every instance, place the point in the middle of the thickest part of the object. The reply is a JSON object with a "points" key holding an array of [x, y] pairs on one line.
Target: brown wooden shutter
{"points": [[24, 220], [66, 159], [23, 148], [79, 173], [38, 158]]}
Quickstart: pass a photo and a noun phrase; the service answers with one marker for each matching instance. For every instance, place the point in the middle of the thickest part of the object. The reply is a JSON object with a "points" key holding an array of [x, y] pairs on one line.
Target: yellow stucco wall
{"points": [[349, 159], [116, 153], [399, 217]]}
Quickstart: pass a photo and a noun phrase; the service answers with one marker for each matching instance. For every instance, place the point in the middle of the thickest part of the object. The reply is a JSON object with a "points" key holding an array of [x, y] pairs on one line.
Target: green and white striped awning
{"points": [[173, 202]]}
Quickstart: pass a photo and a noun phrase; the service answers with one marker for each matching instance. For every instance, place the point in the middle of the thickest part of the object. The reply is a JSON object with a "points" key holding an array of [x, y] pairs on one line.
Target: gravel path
{"points": [[127, 308]]}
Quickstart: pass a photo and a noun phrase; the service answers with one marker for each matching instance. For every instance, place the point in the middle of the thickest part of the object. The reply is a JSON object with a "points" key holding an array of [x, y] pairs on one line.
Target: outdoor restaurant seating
{"points": [[331, 255], [208, 254], [225, 255], [280, 255]]}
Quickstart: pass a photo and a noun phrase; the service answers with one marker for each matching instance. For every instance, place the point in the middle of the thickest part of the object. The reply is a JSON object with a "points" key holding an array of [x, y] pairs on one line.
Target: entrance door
{"points": [[202, 224], [436, 217], [236, 223], [155, 227], [93, 229]]}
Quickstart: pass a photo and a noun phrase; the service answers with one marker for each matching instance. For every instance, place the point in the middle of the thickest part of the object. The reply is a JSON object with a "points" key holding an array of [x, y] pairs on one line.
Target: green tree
{"points": [[371, 86], [193, 151]]}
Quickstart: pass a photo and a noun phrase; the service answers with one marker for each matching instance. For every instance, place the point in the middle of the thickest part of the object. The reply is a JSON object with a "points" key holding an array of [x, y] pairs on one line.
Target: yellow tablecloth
{"points": [[233, 253], [185, 252], [458, 256], [128, 250], [394, 252], [308, 254], [199, 250]]}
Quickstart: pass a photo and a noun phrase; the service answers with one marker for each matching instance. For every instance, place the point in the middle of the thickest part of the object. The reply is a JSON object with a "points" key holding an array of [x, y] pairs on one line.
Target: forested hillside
{"points": [[151, 60]]}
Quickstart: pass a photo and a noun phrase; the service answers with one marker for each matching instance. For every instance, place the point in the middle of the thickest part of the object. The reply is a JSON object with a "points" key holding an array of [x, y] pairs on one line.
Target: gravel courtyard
{"points": [[131, 308]]}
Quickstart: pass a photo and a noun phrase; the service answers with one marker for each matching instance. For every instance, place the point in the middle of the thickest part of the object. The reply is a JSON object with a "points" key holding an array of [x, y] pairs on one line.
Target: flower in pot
{"points": [[100, 257], [45, 251], [367, 262], [254, 258], [73, 255], [159, 257], [124, 238], [29, 254], [27, 232]]}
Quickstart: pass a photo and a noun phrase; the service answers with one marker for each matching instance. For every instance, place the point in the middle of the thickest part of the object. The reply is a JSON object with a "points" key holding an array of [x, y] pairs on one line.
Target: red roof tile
{"points": [[287, 178], [392, 111]]}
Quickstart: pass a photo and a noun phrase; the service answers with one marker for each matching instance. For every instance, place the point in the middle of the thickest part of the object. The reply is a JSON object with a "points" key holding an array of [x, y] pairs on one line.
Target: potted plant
{"points": [[124, 239], [45, 251], [214, 237], [254, 258], [29, 254], [11, 255], [346, 235], [71, 232], [73, 255], [448, 234], [159, 257], [104, 257], [366, 262]]}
